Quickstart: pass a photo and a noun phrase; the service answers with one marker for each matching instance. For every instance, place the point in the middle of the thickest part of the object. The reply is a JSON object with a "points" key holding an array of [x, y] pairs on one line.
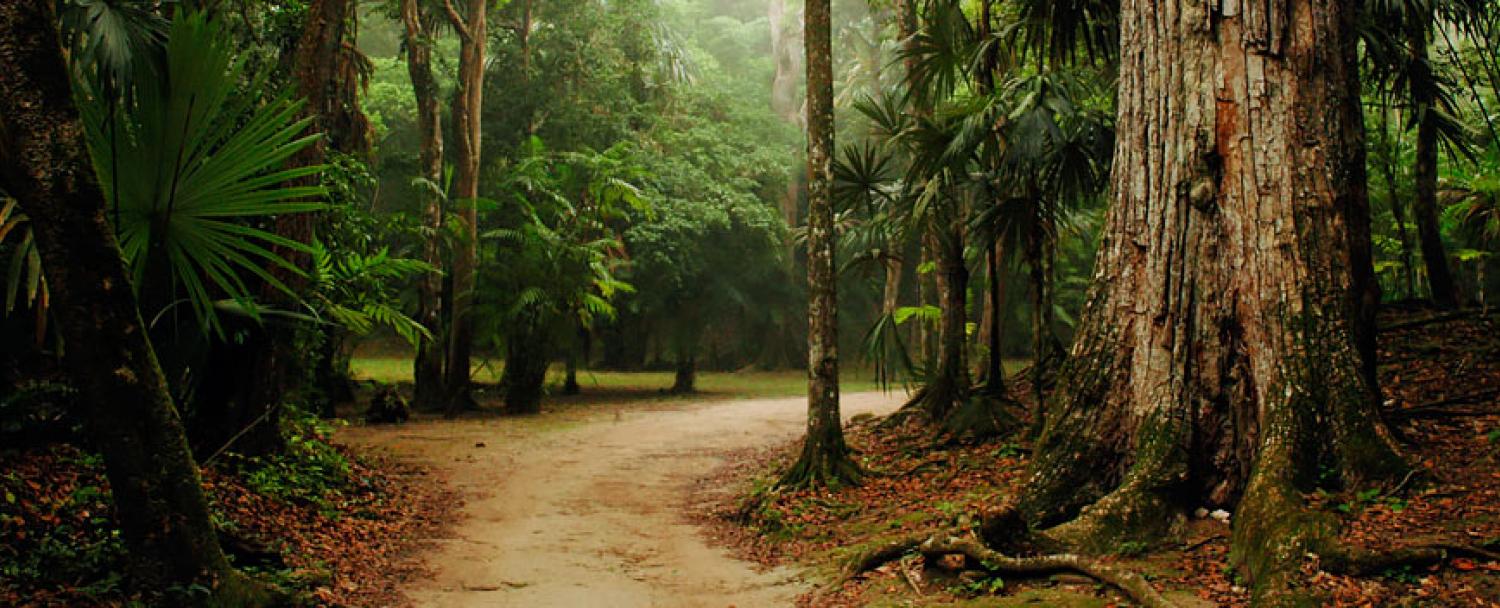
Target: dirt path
{"points": [[589, 512]]}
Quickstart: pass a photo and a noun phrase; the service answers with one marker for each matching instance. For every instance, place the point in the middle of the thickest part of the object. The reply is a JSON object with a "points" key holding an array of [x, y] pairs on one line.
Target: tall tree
{"points": [[428, 367], [1224, 353], [1422, 86], [467, 105], [825, 457], [159, 500], [249, 417], [928, 52]]}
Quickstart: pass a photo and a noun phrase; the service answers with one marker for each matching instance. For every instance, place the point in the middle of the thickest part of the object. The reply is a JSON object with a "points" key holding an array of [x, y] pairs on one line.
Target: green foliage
{"points": [[187, 165], [56, 537], [115, 42], [988, 585], [308, 472], [554, 263], [357, 291], [24, 274]]}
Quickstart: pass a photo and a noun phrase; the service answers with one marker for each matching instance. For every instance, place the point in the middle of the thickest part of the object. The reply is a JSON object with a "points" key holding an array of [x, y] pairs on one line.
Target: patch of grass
{"points": [[747, 384]]}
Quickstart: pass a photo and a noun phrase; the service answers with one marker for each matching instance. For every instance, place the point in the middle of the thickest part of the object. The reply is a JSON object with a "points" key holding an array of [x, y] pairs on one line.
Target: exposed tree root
{"points": [[958, 414], [935, 547], [983, 416]]}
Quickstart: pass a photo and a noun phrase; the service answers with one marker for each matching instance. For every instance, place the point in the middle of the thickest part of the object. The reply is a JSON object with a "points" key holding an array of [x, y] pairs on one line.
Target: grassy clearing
{"points": [[747, 384]]}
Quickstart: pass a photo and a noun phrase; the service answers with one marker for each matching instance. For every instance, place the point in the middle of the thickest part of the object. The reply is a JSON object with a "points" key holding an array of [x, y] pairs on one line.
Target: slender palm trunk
{"points": [[1398, 206], [1425, 171], [825, 458], [994, 374]]}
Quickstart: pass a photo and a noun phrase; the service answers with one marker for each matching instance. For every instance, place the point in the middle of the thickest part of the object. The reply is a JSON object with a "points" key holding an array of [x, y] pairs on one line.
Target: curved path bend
{"points": [[591, 512]]}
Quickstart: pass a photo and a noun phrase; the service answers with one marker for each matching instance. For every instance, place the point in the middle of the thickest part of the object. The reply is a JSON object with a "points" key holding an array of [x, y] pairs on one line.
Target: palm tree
{"points": [[46, 165], [1397, 36], [188, 165], [824, 458], [557, 276]]}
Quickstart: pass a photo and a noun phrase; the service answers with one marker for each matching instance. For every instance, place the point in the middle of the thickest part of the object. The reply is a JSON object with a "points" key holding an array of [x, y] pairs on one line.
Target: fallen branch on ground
{"points": [[1431, 319], [1439, 408], [1365, 563], [934, 547]]}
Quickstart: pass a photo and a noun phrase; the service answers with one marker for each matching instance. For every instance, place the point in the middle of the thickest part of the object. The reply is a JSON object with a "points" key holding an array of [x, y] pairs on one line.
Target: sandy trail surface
{"points": [[590, 510]]}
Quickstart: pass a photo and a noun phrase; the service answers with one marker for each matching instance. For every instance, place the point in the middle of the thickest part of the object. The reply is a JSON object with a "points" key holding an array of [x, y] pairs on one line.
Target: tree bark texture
{"points": [[1222, 355], [467, 104], [1425, 169], [825, 457], [428, 367], [159, 500]]}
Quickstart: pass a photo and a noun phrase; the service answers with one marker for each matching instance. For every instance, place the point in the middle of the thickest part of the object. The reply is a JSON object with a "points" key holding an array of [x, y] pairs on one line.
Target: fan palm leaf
{"points": [[190, 163]]}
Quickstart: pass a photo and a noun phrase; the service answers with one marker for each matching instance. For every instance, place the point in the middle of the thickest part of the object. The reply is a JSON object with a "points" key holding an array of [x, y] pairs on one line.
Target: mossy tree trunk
{"points": [[1222, 357], [467, 106], [824, 459], [159, 499], [427, 371]]}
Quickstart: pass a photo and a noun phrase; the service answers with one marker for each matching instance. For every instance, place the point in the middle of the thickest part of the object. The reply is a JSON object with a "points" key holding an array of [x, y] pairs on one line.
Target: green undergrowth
{"points": [[311, 471], [60, 545]]}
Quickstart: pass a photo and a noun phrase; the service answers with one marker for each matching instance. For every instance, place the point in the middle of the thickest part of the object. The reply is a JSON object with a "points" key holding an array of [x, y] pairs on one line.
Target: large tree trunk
{"points": [[825, 457], [427, 369], [1223, 353], [466, 123], [159, 500], [1425, 170]]}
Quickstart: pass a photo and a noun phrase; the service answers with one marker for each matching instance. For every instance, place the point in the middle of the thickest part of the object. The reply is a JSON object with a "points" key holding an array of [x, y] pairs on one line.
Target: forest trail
{"points": [[594, 512]]}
